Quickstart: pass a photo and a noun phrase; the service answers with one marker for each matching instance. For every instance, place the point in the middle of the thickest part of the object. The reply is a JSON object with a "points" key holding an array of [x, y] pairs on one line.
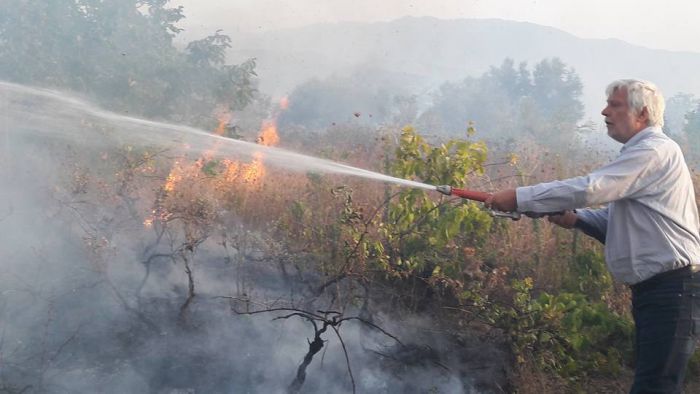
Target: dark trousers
{"points": [[666, 311]]}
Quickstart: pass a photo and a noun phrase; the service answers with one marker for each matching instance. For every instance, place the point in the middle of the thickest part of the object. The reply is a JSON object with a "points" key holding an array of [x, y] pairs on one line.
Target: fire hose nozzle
{"points": [[475, 196], [444, 189]]}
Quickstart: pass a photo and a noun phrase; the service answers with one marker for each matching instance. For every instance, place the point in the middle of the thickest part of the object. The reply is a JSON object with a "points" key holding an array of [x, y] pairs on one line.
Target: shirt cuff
{"points": [[523, 197]]}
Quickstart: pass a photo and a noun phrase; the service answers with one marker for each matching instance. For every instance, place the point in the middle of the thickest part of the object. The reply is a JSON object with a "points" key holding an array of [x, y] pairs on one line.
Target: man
{"points": [[649, 225]]}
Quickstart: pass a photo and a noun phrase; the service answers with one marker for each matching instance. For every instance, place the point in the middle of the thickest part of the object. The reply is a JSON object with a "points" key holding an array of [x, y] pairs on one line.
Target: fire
{"points": [[212, 176], [174, 177], [268, 134], [224, 119], [255, 170], [231, 171]]}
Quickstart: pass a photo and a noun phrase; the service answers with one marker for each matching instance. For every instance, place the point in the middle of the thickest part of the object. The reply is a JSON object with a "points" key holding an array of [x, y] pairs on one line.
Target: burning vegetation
{"points": [[179, 267]]}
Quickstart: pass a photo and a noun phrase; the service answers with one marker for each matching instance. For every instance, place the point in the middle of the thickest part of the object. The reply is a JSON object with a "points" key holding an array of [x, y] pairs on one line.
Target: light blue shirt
{"points": [[651, 220]]}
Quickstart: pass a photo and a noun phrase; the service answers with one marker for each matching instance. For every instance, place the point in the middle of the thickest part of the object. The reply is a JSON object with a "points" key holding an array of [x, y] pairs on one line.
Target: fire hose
{"points": [[483, 196]]}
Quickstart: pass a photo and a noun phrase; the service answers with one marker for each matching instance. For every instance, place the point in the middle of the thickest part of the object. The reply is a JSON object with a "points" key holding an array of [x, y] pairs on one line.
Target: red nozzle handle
{"points": [[470, 194]]}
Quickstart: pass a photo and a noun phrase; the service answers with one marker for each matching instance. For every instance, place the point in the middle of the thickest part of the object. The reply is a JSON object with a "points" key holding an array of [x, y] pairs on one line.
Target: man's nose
{"points": [[604, 112]]}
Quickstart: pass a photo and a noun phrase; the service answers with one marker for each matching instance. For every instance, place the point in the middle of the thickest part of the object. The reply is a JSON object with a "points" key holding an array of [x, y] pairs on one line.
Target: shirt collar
{"points": [[643, 134]]}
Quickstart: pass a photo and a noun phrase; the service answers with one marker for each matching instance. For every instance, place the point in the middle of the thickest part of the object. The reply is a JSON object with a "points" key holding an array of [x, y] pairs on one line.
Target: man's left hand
{"points": [[505, 201]]}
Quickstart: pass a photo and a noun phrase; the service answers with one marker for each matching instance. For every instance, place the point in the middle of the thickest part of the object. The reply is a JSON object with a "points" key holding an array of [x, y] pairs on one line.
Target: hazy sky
{"points": [[669, 24]]}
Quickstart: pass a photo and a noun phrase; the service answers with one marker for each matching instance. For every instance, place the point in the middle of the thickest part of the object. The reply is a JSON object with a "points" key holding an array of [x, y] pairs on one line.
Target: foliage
{"points": [[589, 276], [571, 333], [565, 333], [414, 232], [556, 89], [675, 115], [209, 51], [545, 103], [122, 53], [692, 131], [422, 234]]}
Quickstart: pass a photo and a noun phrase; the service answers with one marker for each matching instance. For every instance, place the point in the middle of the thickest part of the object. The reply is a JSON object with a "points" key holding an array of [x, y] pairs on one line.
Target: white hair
{"points": [[642, 94]]}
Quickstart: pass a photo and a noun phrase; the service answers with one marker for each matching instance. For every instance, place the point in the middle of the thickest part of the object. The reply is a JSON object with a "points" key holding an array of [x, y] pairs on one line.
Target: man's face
{"points": [[621, 121]]}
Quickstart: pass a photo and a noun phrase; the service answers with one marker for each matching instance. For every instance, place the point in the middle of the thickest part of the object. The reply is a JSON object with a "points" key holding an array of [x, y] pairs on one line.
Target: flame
{"points": [[175, 176], [254, 171], [231, 171], [224, 119], [185, 175], [268, 134]]}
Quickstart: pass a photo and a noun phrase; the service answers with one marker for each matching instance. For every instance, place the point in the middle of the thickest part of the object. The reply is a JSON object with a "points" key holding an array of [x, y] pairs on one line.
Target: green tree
{"points": [[544, 104], [483, 101], [692, 131], [121, 53], [677, 107], [209, 51], [557, 91], [423, 235]]}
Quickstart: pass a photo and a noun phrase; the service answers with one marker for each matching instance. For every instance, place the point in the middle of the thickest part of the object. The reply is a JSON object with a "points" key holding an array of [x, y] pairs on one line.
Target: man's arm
{"points": [[628, 176], [593, 222]]}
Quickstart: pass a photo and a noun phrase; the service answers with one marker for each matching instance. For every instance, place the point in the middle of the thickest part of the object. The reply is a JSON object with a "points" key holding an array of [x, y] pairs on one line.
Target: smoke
{"points": [[93, 301]]}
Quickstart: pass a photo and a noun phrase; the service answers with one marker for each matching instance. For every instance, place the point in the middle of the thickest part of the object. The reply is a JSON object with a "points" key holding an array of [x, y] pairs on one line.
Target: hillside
{"points": [[420, 53]]}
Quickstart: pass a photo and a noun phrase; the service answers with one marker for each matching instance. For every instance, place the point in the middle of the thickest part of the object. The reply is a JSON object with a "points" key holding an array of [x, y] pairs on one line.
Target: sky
{"points": [[669, 24]]}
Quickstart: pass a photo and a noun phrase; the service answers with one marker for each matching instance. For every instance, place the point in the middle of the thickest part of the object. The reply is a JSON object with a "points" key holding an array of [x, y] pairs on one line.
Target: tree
{"points": [[557, 91], [505, 102], [678, 107], [209, 51], [692, 130], [121, 53]]}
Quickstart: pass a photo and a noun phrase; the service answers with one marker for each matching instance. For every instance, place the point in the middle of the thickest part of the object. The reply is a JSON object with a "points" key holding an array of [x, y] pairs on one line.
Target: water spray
{"points": [[57, 114]]}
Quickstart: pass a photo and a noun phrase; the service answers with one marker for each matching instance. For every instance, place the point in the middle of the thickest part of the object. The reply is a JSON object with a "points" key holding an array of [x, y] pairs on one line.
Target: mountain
{"points": [[420, 53]]}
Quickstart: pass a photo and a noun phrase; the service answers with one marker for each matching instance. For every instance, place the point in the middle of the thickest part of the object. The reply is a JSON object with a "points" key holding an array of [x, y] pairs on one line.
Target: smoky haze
{"points": [[93, 301], [251, 209], [418, 54], [597, 19]]}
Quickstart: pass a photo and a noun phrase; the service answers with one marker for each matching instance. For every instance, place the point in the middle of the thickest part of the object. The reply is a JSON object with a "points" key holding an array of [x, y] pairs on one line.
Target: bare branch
{"points": [[329, 318], [347, 359], [383, 331]]}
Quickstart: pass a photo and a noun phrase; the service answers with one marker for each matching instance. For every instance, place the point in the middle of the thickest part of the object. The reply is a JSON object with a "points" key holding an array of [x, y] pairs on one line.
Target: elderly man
{"points": [[649, 224]]}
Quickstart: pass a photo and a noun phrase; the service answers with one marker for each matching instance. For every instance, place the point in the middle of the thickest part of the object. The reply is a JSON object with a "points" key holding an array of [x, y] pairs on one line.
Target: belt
{"points": [[678, 272]]}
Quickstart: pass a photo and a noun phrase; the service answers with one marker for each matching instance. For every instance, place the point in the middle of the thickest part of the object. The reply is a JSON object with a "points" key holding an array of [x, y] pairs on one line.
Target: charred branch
{"points": [[314, 347], [325, 319], [190, 290]]}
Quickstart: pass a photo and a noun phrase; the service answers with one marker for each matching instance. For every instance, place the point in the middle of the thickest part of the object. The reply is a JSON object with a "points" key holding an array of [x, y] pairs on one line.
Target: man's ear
{"points": [[643, 116]]}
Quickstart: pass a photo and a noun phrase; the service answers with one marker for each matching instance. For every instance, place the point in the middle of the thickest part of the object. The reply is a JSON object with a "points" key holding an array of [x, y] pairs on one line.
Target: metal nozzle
{"points": [[444, 189], [512, 215]]}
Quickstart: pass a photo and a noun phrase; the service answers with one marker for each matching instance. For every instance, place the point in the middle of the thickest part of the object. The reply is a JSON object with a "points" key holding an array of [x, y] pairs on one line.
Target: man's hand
{"points": [[566, 220], [505, 201]]}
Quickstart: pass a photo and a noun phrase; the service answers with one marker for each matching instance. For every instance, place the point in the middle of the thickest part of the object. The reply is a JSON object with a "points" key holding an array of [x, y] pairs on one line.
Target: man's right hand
{"points": [[566, 220]]}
